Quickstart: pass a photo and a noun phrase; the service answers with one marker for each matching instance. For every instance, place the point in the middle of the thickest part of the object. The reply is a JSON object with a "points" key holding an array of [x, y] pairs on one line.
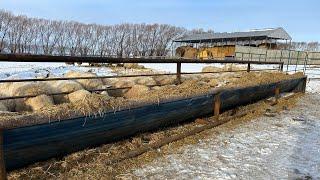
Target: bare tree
{"points": [[20, 34]]}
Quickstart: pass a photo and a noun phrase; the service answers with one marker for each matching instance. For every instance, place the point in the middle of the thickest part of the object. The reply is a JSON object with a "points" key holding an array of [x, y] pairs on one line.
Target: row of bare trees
{"points": [[301, 46], [21, 34]]}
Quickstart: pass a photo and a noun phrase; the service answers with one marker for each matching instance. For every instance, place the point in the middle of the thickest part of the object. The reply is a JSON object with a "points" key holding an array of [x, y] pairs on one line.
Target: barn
{"points": [[223, 45]]}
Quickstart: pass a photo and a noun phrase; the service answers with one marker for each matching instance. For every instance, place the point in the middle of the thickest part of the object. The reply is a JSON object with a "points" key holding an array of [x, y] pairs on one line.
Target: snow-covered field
{"points": [[14, 70], [283, 147]]}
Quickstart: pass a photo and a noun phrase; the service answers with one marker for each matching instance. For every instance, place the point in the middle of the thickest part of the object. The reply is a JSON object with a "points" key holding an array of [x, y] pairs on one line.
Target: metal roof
{"points": [[275, 33]]}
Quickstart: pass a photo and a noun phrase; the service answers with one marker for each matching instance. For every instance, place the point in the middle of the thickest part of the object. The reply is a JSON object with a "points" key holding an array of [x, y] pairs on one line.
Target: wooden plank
{"points": [[179, 73], [217, 106]]}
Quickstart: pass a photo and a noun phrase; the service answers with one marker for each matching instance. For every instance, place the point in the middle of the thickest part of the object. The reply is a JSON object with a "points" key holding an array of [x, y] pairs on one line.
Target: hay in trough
{"points": [[165, 80], [78, 95], [120, 84], [110, 81], [86, 83], [26, 89], [147, 81], [64, 86], [136, 91], [3, 107], [39, 102], [94, 104]]}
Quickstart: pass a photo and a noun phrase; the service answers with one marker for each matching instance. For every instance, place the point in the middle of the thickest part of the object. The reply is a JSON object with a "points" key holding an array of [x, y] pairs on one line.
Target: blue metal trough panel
{"points": [[26, 145]]}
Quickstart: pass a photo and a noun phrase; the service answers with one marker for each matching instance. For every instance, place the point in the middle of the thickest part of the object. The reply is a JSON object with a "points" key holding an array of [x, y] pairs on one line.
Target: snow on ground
{"points": [[19, 70], [283, 147]]}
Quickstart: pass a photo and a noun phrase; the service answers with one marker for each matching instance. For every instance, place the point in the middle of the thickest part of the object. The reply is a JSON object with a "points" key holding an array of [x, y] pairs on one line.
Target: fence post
{"points": [[249, 67], [216, 104], [281, 66], [3, 173], [179, 73]]}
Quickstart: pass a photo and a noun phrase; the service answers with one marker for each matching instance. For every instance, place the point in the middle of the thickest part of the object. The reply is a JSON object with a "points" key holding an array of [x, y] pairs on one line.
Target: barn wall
{"points": [[286, 56]]}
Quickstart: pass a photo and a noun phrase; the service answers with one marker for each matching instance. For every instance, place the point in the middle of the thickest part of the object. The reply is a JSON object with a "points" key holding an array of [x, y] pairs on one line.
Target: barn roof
{"points": [[275, 33]]}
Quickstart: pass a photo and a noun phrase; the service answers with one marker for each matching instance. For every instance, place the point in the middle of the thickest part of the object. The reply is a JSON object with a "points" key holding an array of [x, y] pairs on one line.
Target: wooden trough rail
{"points": [[29, 144]]}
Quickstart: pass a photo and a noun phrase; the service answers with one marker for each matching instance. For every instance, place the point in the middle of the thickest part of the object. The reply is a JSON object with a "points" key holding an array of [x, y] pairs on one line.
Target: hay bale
{"points": [[190, 53], [78, 95], [39, 102], [211, 69], [29, 88], [213, 83], [3, 107], [64, 86], [165, 80], [86, 83], [110, 81], [130, 65], [26, 89], [147, 81], [5, 92], [136, 91], [120, 84]]}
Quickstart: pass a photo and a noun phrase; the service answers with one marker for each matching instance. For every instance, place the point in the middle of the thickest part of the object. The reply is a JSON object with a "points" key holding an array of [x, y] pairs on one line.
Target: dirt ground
{"points": [[286, 146]]}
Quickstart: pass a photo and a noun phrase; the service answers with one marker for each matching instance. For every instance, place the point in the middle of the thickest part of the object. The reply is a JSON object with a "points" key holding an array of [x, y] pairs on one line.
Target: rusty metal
{"points": [[96, 59]]}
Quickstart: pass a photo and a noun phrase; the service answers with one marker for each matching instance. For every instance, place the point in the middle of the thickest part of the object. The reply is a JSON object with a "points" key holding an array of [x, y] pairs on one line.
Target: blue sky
{"points": [[299, 18]]}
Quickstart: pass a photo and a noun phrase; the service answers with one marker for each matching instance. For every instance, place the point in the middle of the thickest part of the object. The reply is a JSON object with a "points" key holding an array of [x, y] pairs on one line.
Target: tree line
{"points": [[21, 34]]}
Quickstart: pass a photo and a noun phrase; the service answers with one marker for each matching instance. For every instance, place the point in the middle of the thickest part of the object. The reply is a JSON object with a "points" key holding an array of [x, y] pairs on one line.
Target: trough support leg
{"points": [[179, 73], [277, 94], [304, 85], [217, 104], [248, 68], [3, 174]]}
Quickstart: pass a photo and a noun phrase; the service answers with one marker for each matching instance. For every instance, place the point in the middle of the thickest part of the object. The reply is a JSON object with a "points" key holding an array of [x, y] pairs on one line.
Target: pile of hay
{"points": [[85, 103], [39, 102], [62, 87], [3, 107], [136, 91], [147, 81], [78, 95], [120, 84], [211, 69], [165, 80], [25, 89], [187, 52], [133, 66], [86, 83]]}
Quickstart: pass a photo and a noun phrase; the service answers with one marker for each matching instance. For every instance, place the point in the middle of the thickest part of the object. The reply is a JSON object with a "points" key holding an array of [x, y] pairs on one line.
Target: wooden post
{"points": [[277, 94], [281, 67], [179, 73], [3, 174], [216, 108], [248, 68]]}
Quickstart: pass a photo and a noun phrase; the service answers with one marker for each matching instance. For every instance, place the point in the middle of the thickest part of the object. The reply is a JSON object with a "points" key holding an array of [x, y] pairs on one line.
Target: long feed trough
{"points": [[26, 145]]}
